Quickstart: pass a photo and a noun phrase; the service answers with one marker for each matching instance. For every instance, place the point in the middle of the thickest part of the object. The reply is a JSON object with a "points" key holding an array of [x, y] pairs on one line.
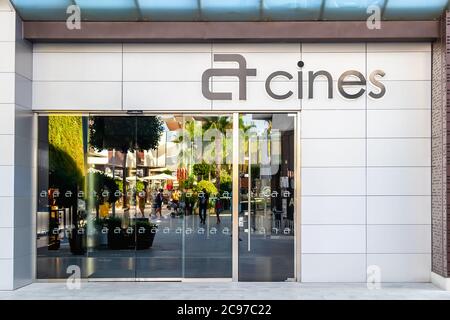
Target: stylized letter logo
{"points": [[241, 73]]}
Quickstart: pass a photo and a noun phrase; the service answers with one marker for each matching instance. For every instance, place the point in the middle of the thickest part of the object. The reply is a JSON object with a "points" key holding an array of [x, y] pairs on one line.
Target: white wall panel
{"points": [[256, 47], [399, 152], [399, 181], [7, 113], [333, 239], [7, 54], [399, 210], [7, 143], [333, 47], [398, 47], [167, 47], [321, 101], [405, 66], [7, 26], [333, 152], [256, 100], [77, 66], [7, 212], [163, 96], [398, 123], [172, 67], [7, 241], [7, 187], [333, 268], [265, 64], [333, 124], [402, 267], [7, 87], [336, 63], [333, 210], [414, 95], [385, 239], [77, 47], [333, 181], [77, 95]]}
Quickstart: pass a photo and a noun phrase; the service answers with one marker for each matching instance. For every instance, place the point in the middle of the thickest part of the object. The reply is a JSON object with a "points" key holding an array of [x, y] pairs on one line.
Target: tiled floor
{"points": [[229, 290]]}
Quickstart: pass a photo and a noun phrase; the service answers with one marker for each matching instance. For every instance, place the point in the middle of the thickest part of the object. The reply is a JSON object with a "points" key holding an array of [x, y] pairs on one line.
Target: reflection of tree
{"points": [[66, 160], [212, 128], [105, 188], [125, 134]]}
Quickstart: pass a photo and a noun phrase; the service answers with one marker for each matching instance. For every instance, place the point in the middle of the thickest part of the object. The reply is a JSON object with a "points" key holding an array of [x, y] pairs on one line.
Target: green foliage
{"points": [[117, 133], [140, 186], [201, 169], [205, 184], [167, 171], [225, 181], [66, 156], [100, 183], [188, 183]]}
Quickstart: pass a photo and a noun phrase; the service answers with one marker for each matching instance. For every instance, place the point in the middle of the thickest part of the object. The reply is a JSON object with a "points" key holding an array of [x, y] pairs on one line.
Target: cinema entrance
{"points": [[168, 197]]}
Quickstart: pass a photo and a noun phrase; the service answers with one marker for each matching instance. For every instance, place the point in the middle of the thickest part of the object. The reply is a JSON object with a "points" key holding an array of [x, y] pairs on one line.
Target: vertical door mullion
{"points": [[297, 186], [235, 197]]}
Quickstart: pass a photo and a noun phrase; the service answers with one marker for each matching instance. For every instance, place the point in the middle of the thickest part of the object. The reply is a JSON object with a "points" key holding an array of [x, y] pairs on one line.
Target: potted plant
{"points": [[116, 238], [145, 234]]}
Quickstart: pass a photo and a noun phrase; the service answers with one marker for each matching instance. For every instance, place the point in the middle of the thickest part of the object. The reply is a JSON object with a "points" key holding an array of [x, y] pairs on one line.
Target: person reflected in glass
{"points": [[219, 209], [175, 201], [141, 203], [203, 199], [158, 203]]}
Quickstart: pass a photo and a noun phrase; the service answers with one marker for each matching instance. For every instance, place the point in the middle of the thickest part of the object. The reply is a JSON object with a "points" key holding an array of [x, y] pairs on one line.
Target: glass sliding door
{"points": [[266, 197], [134, 197], [111, 184], [206, 186]]}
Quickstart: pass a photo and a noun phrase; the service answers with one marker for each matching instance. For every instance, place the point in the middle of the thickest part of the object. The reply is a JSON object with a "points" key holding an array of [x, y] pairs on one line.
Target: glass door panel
{"points": [[110, 197], [159, 231], [266, 201], [205, 182]]}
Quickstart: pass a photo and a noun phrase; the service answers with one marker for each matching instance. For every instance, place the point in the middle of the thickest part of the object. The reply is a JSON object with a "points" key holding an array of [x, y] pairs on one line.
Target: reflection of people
{"points": [[159, 203], [175, 199], [141, 203], [219, 209], [203, 199]]}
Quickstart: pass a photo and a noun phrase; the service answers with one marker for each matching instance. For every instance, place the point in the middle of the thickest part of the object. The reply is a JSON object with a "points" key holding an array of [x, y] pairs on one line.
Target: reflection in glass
{"points": [[266, 202], [134, 197]]}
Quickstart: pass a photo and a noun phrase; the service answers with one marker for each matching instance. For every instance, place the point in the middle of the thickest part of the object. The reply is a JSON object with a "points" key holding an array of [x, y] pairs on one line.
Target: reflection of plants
{"points": [[105, 188], [66, 156], [114, 133], [207, 185], [140, 186], [201, 169], [188, 183], [225, 181]]}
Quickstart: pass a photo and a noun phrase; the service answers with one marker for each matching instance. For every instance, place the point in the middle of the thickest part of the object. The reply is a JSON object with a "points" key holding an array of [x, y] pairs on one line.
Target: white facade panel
{"points": [[333, 124], [333, 268], [385, 239], [333, 181], [398, 123], [77, 95], [399, 210], [333, 152], [333, 210], [399, 152], [333, 239], [73, 66], [402, 267]]}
